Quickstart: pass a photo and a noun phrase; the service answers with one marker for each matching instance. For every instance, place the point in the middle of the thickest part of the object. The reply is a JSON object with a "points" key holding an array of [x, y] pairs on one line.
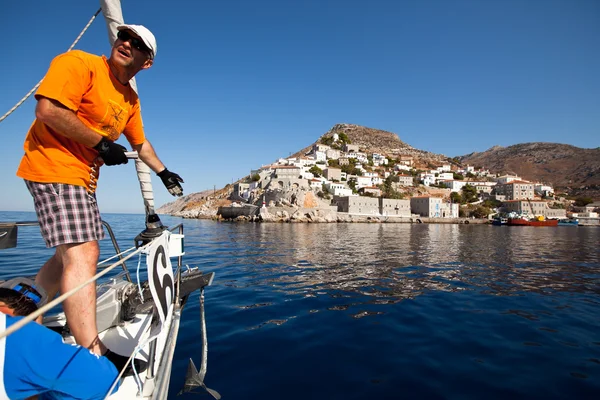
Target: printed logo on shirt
{"points": [[114, 121]]}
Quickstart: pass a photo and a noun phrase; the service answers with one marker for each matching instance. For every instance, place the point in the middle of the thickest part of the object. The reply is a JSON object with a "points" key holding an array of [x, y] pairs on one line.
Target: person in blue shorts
{"points": [[34, 361]]}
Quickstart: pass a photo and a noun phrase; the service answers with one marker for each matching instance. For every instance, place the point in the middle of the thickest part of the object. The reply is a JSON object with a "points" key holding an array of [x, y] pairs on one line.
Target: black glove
{"points": [[171, 181], [111, 153]]}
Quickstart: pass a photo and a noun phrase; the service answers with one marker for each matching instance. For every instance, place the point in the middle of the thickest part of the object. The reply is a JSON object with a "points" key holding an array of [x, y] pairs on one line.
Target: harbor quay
{"points": [[327, 215]]}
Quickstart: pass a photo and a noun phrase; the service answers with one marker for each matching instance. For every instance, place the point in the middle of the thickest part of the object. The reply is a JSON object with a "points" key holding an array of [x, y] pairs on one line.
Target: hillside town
{"points": [[338, 176]]}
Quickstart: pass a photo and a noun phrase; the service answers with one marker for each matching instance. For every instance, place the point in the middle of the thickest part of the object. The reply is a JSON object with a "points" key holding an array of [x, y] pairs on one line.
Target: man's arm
{"points": [[148, 155], [170, 179], [64, 121]]}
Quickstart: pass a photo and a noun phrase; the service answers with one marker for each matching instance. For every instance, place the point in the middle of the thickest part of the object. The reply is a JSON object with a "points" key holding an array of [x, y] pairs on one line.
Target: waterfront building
{"points": [[533, 208], [433, 207], [588, 211], [241, 190], [394, 207], [360, 205]]}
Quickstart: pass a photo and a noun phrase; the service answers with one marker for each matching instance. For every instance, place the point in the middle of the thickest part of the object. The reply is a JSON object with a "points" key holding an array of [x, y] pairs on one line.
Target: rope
{"points": [[41, 80], [61, 298]]}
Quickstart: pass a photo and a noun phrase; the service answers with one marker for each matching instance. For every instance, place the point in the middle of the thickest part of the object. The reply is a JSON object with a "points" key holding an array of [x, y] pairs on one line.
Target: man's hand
{"points": [[111, 153], [171, 181]]}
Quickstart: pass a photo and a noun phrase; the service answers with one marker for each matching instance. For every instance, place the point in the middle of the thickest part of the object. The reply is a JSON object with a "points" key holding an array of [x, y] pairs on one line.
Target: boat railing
{"points": [[123, 257]]}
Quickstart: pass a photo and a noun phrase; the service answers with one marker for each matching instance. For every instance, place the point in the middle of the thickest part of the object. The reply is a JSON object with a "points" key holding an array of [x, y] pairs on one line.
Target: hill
{"points": [[567, 168], [378, 141]]}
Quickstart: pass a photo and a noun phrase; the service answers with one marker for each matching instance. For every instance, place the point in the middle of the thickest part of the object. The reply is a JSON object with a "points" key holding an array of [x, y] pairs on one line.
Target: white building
{"points": [[315, 183], [362, 181], [455, 186], [349, 148], [428, 179], [446, 176], [320, 147], [338, 189], [379, 159], [402, 167], [333, 154], [320, 156], [307, 161], [543, 190], [361, 157], [405, 180], [504, 179]]}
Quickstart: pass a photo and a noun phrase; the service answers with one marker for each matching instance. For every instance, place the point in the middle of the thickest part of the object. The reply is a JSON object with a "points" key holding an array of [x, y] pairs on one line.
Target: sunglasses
{"points": [[135, 42]]}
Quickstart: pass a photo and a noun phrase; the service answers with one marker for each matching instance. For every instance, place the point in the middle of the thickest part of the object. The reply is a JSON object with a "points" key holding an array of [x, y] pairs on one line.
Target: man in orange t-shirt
{"points": [[84, 104]]}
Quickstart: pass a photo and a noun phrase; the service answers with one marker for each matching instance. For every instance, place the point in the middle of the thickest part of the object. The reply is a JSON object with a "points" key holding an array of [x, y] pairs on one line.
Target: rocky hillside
{"points": [[569, 168], [197, 205], [378, 141]]}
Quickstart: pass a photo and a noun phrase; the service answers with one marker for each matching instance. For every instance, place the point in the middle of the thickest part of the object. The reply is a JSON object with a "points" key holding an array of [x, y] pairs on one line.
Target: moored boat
{"points": [[568, 222], [521, 221], [499, 221]]}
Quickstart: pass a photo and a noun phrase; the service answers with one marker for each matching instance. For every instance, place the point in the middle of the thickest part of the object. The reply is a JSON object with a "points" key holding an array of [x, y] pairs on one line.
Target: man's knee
{"points": [[83, 254]]}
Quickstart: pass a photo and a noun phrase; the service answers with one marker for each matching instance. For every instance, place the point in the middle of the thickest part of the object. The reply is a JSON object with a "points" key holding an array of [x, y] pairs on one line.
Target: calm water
{"points": [[385, 311]]}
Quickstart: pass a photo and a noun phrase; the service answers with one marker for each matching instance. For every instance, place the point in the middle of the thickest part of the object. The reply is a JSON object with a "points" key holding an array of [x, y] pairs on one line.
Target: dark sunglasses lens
{"points": [[138, 44], [135, 42]]}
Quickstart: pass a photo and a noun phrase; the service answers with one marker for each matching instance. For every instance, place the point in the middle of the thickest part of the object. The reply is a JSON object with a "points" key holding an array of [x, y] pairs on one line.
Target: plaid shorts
{"points": [[66, 213]]}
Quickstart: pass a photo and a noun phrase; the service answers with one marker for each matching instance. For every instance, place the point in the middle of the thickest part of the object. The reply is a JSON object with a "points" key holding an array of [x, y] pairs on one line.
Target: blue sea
{"points": [[382, 311]]}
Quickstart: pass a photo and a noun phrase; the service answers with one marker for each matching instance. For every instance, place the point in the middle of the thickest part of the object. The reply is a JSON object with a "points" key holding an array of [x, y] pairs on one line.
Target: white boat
{"points": [[141, 318], [137, 318]]}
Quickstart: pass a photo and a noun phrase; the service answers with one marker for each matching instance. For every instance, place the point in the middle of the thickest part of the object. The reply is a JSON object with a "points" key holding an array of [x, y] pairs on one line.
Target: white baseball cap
{"points": [[144, 34]]}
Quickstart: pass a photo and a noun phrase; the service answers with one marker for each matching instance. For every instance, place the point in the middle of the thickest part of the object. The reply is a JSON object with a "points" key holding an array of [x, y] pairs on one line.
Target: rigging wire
{"points": [[2, 118]]}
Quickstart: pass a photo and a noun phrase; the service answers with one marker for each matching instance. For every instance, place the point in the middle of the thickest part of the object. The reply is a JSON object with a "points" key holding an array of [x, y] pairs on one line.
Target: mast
{"points": [[113, 15]]}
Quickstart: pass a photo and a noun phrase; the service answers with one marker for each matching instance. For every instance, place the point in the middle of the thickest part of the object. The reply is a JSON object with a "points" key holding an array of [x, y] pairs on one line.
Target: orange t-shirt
{"points": [[83, 83]]}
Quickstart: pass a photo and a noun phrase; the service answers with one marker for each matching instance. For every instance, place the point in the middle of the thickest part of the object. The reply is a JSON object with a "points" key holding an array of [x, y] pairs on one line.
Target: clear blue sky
{"points": [[237, 84]]}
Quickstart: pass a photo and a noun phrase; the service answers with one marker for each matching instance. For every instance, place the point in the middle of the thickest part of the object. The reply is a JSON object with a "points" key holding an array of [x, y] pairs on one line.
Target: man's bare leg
{"points": [[79, 262], [49, 276]]}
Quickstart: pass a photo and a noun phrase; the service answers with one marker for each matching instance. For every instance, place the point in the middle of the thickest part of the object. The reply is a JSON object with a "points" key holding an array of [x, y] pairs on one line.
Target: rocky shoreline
{"points": [[321, 215]]}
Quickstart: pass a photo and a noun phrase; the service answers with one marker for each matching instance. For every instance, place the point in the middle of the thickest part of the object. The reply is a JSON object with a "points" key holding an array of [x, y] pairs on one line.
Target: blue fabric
{"points": [[37, 362]]}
